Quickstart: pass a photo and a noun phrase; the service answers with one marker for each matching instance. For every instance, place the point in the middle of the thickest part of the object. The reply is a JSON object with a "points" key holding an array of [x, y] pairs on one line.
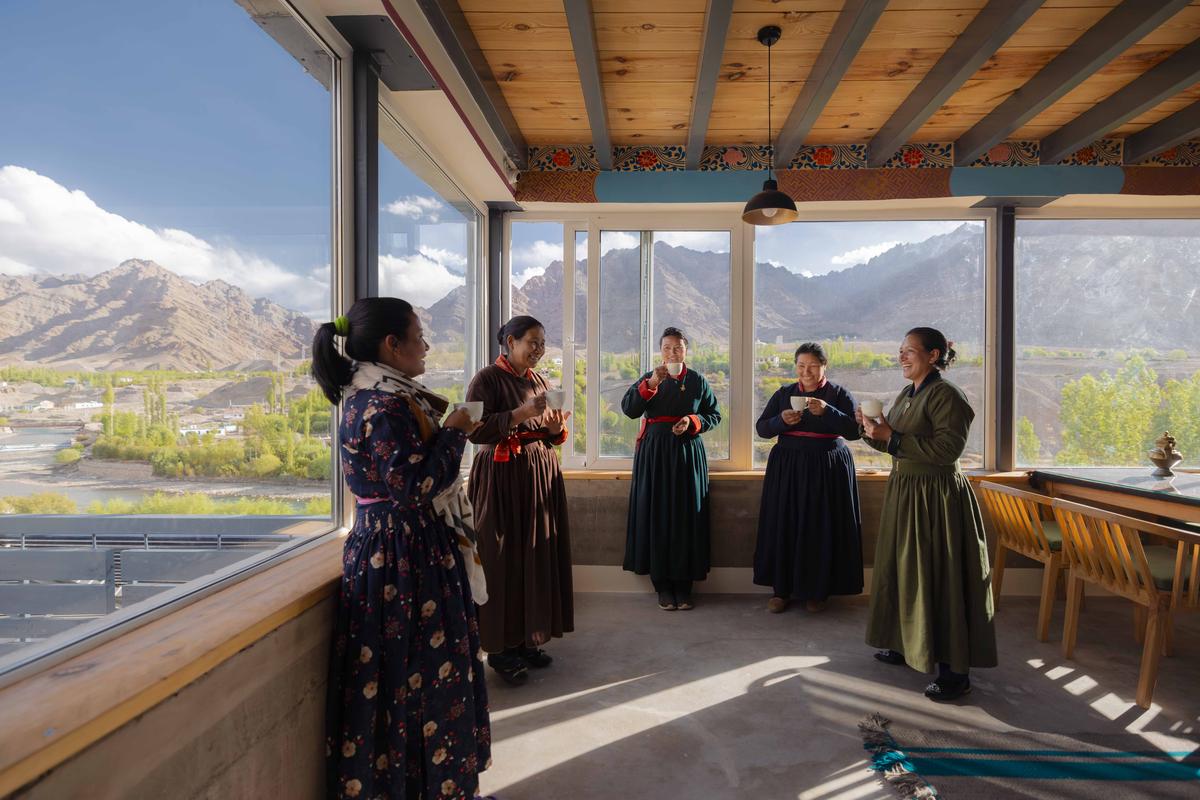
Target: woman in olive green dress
{"points": [[931, 597]]}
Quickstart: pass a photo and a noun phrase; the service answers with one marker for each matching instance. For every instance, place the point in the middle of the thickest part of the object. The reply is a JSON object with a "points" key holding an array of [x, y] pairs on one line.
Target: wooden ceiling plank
{"points": [[842, 45], [583, 40], [990, 29], [1174, 130], [1156, 85], [712, 48], [1121, 28]]}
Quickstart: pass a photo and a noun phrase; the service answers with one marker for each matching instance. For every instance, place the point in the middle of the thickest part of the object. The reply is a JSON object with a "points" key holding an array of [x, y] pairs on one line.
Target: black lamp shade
{"points": [[770, 207]]}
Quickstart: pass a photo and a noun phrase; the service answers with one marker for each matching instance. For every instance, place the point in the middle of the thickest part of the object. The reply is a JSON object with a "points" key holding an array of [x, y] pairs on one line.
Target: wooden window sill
{"points": [[864, 476], [52, 715]]}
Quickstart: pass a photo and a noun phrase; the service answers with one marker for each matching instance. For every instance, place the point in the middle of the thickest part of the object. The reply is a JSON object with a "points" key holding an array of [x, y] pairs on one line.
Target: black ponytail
{"points": [[933, 339], [516, 327], [368, 322]]}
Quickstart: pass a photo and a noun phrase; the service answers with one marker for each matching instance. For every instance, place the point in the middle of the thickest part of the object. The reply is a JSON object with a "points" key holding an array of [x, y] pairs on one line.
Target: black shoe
{"points": [[536, 657], [666, 601], [943, 692], [889, 657], [509, 667], [684, 602]]}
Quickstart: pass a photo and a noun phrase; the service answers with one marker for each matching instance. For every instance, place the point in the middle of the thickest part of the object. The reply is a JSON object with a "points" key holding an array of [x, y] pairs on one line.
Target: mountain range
{"points": [[1074, 289]]}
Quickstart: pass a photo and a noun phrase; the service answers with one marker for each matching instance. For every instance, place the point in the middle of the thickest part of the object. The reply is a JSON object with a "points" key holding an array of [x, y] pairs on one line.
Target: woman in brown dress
{"points": [[520, 504]]}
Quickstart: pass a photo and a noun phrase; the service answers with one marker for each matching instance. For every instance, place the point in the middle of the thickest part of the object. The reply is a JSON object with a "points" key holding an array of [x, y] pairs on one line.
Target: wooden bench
{"points": [[1023, 522], [1160, 575]]}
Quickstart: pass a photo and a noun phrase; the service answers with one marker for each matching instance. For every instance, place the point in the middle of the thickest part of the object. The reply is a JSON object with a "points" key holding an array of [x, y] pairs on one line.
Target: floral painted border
{"points": [[830, 156], [656, 158], [1010, 154], [1100, 153], [923, 156], [1181, 155], [563, 158], [735, 157]]}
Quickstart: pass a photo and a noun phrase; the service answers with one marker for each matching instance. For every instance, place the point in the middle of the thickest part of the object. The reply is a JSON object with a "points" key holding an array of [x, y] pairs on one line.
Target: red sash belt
{"points": [[511, 446], [650, 421], [811, 435]]}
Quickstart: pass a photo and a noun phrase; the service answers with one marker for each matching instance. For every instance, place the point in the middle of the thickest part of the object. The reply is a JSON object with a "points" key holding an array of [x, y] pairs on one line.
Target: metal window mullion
{"points": [[592, 449], [646, 299], [1003, 371], [567, 381], [741, 347]]}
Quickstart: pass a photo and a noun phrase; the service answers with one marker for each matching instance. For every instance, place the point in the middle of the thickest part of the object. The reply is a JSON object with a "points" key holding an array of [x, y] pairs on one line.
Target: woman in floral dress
{"points": [[407, 715]]}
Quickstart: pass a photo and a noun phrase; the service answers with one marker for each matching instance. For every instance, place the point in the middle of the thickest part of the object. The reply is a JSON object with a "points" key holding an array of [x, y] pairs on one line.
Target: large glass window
{"points": [[857, 287], [1108, 343], [428, 252], [620, 337], [536, 285], [165, 258]]}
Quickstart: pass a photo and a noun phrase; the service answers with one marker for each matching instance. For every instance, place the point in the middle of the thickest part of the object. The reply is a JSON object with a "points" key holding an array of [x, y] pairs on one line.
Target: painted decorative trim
{"points": [[643, 158], [557, 187], [1183, 155], [1101, 153], [563, 158], [809, 185], [1010, 154], [1159, 181], [932, 155], [721, 159], [830, 156]]}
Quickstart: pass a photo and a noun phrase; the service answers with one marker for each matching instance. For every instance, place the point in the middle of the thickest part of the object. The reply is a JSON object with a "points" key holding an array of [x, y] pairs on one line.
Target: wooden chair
{"points": [[1023, 522], [1160, 575]]}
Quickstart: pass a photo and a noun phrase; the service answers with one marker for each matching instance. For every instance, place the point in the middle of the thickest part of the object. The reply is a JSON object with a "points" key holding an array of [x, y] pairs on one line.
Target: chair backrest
{"points": [[1016, 516], [1106, 548]]}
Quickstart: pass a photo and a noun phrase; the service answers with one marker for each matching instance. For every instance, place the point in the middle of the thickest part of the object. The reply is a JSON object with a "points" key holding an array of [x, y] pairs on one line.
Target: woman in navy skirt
{"points": [[809, 527]]}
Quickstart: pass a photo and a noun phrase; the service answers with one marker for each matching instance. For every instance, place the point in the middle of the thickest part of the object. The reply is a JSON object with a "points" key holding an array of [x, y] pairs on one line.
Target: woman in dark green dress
{"points": [[667, 536], [931, 597]]}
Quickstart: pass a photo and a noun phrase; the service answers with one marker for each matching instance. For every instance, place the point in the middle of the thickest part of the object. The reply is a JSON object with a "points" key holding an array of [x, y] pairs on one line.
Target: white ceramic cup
{"points": [[554, 398], [674, 368], [872, 408], [474, 409], [798, 402]]}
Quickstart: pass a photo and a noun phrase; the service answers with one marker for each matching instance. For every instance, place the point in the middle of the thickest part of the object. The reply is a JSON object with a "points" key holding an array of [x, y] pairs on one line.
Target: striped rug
{"points": [[982, 765]]}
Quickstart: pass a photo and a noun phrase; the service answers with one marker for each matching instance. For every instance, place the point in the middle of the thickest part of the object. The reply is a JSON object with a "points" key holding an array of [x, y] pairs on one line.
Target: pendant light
{"points": [[770, 206]]}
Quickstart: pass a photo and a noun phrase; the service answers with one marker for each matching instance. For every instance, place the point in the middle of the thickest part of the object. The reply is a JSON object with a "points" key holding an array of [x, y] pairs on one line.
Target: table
{"points": [[1131, 489]]}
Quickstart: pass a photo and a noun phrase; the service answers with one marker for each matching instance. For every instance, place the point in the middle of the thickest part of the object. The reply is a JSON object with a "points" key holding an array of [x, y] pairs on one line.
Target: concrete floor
{"points": [[728, 701]]}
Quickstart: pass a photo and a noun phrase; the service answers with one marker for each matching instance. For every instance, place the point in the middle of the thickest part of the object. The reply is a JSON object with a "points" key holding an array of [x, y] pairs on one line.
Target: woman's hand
{"points": [[460, 419], [660, 374], [879, 431], [816, 406], [556, 420], [535, 406], [858, 417], [681, 427], [791, 417]]}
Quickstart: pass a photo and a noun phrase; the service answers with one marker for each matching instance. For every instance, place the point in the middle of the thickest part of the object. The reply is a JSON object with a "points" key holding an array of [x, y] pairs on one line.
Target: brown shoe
{"points": [[815, 605], [777, 605]]}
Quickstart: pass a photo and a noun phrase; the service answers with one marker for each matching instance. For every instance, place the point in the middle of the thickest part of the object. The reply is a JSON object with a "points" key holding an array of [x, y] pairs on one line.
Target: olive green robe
{"points": [[931, 596]]}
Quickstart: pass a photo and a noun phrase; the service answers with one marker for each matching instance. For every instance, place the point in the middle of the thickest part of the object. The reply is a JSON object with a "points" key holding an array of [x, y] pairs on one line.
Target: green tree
{"points": [[1180, 415], [1029, 446], [1109, 419]]}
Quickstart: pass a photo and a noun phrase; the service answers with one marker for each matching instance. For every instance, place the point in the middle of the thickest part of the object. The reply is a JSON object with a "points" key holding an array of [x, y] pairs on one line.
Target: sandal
{"points": [[535, 657], [684, 603], [943, 692], [666, 601], [511, 668], [889, 657], [777, 604]]}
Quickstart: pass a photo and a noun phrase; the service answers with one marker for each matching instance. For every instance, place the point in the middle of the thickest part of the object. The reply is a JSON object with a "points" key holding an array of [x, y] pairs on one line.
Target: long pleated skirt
{"points": [[521, 519], [407, 712], [931, 596], [809, 527]]}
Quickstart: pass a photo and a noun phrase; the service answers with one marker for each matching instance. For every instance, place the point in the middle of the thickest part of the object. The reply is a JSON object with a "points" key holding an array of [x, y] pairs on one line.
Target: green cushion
{"points": [[1053, 534], [1162, 566]]}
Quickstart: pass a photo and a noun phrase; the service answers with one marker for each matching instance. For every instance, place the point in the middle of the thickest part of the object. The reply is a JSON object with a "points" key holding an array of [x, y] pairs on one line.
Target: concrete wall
{"points": [[253, 727]]}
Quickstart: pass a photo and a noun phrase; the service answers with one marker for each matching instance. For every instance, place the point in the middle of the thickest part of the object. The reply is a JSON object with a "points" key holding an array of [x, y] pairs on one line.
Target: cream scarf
{"points": [[452, 504]]}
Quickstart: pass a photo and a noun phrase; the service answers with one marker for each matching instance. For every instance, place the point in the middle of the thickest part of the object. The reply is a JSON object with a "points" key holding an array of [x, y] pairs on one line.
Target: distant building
{"points": [[89, 404]]}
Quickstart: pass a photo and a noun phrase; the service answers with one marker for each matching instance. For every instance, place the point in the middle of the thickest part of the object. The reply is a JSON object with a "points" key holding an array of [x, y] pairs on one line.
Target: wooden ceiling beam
{"points": [[1098, 45], [716, 27], [851, 29], [988, 31], [582, 26], [1179, 71], [1175, 129], [454, 33]]}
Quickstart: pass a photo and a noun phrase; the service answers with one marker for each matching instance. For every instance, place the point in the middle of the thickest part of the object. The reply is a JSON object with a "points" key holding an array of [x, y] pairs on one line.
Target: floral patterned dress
{"points": [[407, 715]]}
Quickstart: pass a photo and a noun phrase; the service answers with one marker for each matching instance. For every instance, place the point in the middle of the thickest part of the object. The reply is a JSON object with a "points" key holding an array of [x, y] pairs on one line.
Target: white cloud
{"points": [[444, 256], [701, 241], [529, 261], [861, 255], [64, 231], [416, 206], [419, 279], [617, 240]]}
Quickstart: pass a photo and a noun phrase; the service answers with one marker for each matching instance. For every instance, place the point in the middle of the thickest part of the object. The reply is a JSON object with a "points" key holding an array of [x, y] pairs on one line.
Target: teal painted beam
{"points": [[679, 186], [1047, 181]]}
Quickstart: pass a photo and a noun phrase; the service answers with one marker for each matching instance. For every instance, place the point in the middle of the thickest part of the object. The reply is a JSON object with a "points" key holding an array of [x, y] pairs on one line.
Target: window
{"points": [[536, 279], [428, 255], [165, 242], [857, 287], [1108, 344]]}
